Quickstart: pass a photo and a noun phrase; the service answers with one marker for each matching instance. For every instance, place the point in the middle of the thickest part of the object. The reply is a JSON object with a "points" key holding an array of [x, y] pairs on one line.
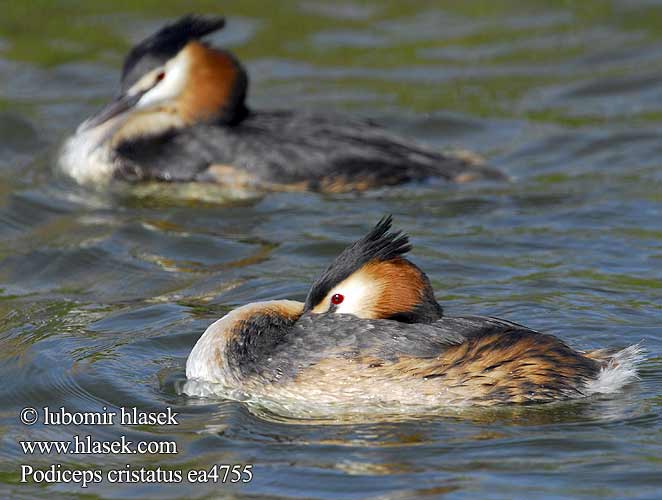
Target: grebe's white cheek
{"points": [[356, 294], [168, 89], [348, 306]]}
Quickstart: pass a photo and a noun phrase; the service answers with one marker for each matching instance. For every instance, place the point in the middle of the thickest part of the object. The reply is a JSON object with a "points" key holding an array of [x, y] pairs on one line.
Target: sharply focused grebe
{"points": [[181, 115], [371, 334]]}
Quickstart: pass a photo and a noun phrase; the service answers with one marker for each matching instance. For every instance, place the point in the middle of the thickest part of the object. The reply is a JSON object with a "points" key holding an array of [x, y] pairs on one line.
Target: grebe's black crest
{"points": [[380, 244], [165, 44]]}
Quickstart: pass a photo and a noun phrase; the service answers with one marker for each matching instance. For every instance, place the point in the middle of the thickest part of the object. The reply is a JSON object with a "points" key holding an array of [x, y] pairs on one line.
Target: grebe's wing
{"points": [[317, 337], [472, 326]]}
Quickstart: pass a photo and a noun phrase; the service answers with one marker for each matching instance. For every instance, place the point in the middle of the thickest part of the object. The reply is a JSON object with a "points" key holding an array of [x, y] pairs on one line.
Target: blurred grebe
{"points": [[181, 116]]}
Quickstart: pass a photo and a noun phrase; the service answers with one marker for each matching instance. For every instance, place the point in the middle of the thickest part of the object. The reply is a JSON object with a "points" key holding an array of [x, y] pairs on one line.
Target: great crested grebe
{"points": [[371, 334], [181, 116]]}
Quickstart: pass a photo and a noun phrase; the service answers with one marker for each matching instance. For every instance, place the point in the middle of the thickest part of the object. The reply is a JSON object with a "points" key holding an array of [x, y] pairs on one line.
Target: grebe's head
{"points": [[171, 79], [372, 279]]}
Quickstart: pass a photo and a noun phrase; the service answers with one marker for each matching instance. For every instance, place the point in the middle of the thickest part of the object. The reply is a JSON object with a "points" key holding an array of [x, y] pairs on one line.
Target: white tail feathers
{"points": [[618, 370]]}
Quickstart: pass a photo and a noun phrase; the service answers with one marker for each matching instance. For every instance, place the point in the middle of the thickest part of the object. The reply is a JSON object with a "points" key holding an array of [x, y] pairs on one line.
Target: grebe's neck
{"points": [[233, 347]]}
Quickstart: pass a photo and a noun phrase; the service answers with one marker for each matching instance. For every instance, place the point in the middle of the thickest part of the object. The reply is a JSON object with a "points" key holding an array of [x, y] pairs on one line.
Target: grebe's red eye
{"points": [[160, 77], [337, 298]]}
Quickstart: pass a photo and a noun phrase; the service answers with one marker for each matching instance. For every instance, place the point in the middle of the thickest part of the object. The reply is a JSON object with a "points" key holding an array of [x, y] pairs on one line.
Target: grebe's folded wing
{"points": [[317, 337], [472, 326]]}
